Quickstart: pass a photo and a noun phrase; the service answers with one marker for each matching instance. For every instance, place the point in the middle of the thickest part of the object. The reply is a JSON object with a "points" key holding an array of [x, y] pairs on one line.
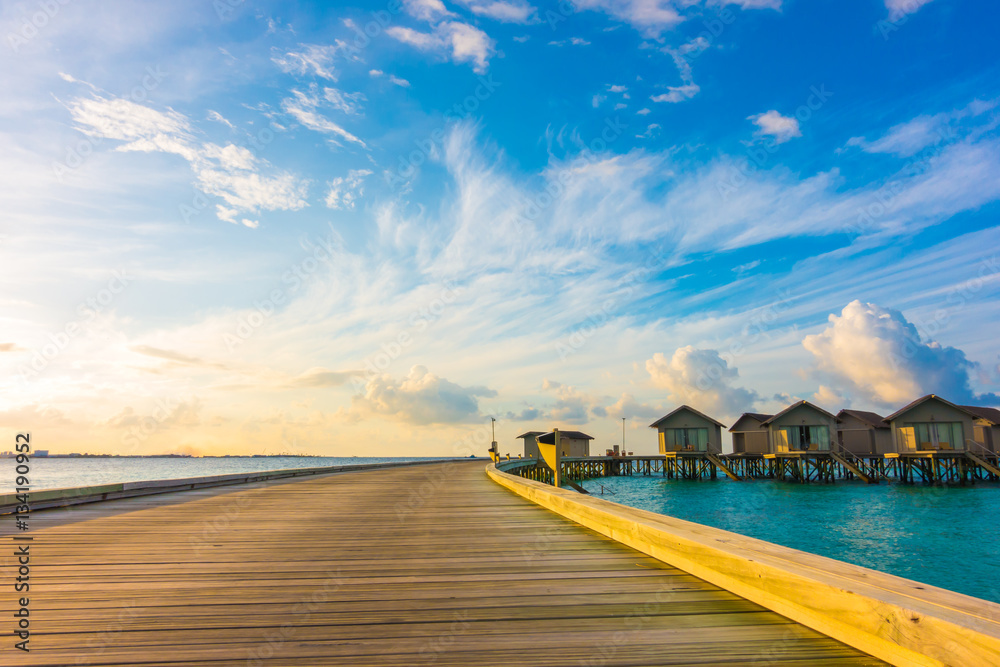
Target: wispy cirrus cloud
{"points": [[229, 172], [349, 103], [319, 377], [305, 107], [909, 138], [311, 59], [517, 11], [344, 191]]}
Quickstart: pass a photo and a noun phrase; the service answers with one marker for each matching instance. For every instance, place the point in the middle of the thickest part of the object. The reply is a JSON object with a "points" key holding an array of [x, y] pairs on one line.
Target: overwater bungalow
{"points": [[749, 434], [571, 443], [801, 427], [687, 430], [863, 433], [932, 424]]}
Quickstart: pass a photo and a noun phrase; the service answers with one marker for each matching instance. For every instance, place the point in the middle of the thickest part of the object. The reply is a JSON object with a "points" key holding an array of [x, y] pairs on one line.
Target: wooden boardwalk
{"points": [[431, 565]]}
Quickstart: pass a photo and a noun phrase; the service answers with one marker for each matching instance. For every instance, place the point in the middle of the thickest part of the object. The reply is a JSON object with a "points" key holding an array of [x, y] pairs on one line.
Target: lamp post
{"points": [[623, 436]]}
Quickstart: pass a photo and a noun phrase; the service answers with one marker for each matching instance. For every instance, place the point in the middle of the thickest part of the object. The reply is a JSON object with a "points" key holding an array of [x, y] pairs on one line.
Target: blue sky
{"points": [[365, 229]]}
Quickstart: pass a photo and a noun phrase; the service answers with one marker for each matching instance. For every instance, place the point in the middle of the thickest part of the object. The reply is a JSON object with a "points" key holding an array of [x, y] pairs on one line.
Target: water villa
{"points": [[687, 430]]}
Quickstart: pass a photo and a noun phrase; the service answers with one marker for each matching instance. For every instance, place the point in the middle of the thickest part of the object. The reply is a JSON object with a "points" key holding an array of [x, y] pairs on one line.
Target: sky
{"points": [[367, 229]]}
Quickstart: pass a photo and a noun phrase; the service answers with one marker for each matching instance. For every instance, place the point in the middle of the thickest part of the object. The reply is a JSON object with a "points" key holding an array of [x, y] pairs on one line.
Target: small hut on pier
{"points": [[530, 444], [986, 429], [571, 443], [863, 433], [749, 434]]}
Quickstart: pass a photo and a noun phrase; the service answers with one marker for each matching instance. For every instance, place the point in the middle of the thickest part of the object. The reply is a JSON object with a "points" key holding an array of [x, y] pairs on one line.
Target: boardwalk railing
{"points": [[897, 620], [951, 467]]}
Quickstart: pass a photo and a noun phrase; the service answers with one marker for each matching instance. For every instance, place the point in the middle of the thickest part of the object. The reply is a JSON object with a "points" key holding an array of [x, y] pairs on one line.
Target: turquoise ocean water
{"points": [[947, 537], [60, 473]]}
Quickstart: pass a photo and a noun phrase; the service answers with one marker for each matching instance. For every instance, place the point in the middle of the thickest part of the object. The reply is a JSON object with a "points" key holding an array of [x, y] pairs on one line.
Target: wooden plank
{"points": [[901, 621], [391, 567]]}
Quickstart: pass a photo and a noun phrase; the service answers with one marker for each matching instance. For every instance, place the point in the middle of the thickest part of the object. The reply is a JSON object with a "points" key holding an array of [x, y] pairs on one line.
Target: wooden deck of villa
{"points": [[429, 565]]}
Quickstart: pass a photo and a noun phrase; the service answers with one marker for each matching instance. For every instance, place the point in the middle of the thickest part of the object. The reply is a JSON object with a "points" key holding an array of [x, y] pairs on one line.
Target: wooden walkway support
{"points": [[429, 565]]}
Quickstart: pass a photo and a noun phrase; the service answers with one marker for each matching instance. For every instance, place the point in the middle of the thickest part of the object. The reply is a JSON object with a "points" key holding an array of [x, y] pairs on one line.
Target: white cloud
{"points": [[574, 41], [517, 11], [249, 191], [748, 4], [229, 172], [426, 10], [349, 103], [470, 44], [652, 130], [682, 60], [653, 17], [572, 406], [749, 266], [458, 41], [124, 120], [701, 379], [310, 59], [420, 398], [617, 89], [643, 112], [677, 93], [345, 191], [628, 406], [403, 83], [900, 8], [875, 354], [773, 124], [218, 118], [303, 108]]}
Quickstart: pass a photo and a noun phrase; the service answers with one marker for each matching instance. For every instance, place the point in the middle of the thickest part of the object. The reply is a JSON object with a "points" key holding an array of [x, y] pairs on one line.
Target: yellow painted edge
{"points": [[876, 618]]}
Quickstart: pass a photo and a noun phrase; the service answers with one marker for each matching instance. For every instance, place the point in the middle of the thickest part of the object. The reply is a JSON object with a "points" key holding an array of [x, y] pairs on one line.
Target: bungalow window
{"points": [[689, 439], [807, 438], [938, 435]]}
